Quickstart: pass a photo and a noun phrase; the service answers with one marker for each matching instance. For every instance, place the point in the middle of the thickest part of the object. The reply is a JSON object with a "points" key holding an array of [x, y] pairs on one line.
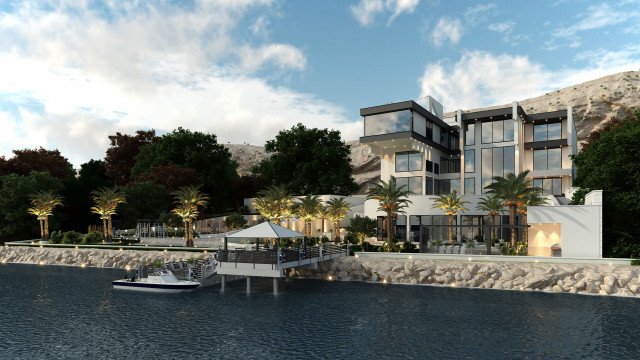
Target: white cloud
{"points": [[483, 79], [260, 27], [503, 27], [447, 30], [366, 10], [478, 12], [159, 66]]}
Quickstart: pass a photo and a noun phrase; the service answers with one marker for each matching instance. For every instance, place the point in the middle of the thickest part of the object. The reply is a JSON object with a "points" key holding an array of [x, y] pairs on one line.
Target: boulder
{"points": [[519, 272], [594, 276], [606, 289], [425, 273], [374, 278], [591, 288], [610, 280], [466, 275]]}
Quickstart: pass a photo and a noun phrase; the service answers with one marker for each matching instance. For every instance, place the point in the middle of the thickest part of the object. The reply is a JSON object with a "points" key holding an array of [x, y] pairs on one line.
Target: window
{"points": [[449, 166], [496, 161], [455, 185], [547, 159], [412, 183], [419, 124], [428, 186], [408, 161], [544, 132], [429, 133], [455, 142], [429, 166], [469, 186], [436, 168], [387, 123], [470, 134], [549, 186], [444, 138], [441, 187], [497, 131], [469, 161]]}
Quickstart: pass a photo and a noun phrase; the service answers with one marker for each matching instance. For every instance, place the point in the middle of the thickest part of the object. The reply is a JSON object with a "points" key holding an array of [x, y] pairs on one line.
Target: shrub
{"points": [[354, 248], [71, 237], [351, 239], [408, 247], [507, 249], [235, 221], [366, 246], [92, 238], [55, 237], [390, 247]]}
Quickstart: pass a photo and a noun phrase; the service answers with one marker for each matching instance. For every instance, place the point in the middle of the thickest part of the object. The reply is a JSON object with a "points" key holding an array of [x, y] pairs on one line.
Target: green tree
{"points": [[122, 152], [392, 200], [308, 161], [494, 207], [235, 221], [212, 162], [274, 203], [26, 161], [106, 202], [609, 161], [337, 209], [451, 204], [512, 189], [188, 200], [362, 227], [15, 221], [145, 200], [306, 209], [42, 205]]}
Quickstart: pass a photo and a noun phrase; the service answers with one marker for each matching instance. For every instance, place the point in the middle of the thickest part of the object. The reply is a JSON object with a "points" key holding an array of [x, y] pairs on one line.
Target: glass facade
{"points": [[547, 159], [497, 131], [470, 134], [387, 123], [544, 132], [497, 161], [412, 183], [469, 161], [408, 161], [419, 124], [549, 186], [449, 166], [469, 186]]}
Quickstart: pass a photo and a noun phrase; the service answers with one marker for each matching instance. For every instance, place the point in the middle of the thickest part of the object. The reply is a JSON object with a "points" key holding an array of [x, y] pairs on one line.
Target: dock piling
{"points": [[223, 279], [275, 286], [248, 284]]}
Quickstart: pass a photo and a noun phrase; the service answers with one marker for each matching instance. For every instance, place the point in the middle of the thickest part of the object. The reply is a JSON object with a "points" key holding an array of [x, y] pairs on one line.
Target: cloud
{"points": [[478, 12], [447, 30], [503, 27], [597, 17], [260, 27], [366, 10], [482, 78], [72, 75]]}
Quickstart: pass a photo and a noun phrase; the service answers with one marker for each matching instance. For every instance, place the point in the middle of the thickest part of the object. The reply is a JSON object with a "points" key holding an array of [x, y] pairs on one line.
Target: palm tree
{"points": [[451, 204], [274, 203], [306, 209], [188, 199], [493, 206], [337, 209], [391, 199], [512, 190], [534, 198], [106, 202], [42, 205], [323, 214]]}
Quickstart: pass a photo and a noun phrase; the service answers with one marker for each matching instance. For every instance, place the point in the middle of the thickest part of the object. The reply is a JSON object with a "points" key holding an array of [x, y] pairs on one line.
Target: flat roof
{"points": [[406, 105]]}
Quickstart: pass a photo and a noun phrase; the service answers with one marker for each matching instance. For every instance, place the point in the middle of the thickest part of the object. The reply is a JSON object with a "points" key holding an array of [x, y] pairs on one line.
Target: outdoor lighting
{"points": [[330, 277], [4, 261], [610, 264], [521, 287], [165, 250], [76, 248], [127, 268], [410, 257], [82, 265], [469, 259], [205, 251], [536, 261], [356, 256], [384, 281], [41, 262], [453, 284]]}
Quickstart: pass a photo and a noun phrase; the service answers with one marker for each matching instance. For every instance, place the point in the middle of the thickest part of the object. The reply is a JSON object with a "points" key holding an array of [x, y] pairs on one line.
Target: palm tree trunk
{"points": [[491, 234], [110, 228], [389, 226], [41, 229], [525, 231], [46, 228], [186, 233], [512, 223], [450, 235], [105, 229]]}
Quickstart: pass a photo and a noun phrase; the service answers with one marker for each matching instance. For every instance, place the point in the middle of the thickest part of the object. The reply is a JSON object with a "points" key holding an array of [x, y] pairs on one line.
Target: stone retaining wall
{"points": [[621, 280], [92, 257]]}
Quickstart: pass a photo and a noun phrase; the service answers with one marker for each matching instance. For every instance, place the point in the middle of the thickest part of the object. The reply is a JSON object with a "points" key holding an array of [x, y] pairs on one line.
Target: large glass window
{"points": [[455, 185], [469, 161], [428, 189], [547, 159], [429, 133], [419, 124], [449, 166], [454, 142], [387, 123], [544, 132], [549, 186], [497, 131], [429, 166], [496, 161], [408, 161], [470, 185], [412, 183], [470, 134]]}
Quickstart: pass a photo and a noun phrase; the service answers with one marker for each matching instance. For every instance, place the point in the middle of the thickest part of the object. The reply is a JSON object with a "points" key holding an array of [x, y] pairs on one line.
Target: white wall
{"points": [[580, 227]]}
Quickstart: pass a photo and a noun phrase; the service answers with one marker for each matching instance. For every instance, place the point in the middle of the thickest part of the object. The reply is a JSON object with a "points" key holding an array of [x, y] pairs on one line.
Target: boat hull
{"points": [[151, 287]]}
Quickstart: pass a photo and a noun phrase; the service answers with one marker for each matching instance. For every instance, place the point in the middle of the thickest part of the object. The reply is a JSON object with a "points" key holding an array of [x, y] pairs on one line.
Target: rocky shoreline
{"points": [[103, 258], [618, 280]]}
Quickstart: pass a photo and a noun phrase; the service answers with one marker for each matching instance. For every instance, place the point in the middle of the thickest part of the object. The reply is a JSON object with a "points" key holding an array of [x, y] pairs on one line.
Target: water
{"points": [[63, 312]]}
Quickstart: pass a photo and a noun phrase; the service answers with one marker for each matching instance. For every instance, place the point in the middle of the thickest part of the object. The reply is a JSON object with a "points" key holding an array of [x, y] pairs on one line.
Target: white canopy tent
{"points": [[267, 230]]}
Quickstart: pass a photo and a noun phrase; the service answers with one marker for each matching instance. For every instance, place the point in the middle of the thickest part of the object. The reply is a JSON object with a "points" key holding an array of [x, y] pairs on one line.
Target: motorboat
{"points": [[160, 281]]}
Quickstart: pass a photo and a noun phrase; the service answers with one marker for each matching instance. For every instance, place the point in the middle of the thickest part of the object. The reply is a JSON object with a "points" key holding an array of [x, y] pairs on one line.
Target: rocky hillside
{"points": [[594, 102]]}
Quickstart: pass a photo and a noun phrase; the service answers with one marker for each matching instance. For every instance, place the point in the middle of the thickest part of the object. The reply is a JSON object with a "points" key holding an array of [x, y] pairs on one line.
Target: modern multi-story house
{"points": [[432, 154]]}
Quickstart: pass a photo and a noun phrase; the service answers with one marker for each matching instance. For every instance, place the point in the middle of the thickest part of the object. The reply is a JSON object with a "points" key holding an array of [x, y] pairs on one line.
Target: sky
{"points": [[72, 72]]}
